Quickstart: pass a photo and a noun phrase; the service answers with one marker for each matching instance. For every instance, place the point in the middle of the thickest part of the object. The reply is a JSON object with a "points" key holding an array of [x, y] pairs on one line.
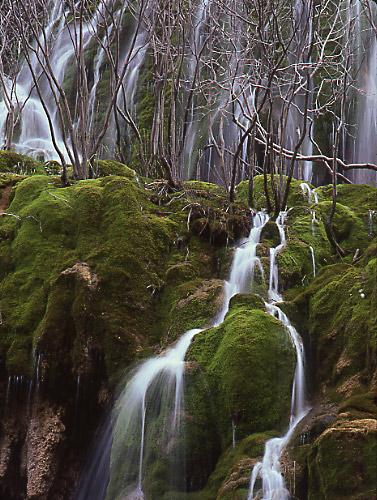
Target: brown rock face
{"points": [[82, 272], [44, 438]]}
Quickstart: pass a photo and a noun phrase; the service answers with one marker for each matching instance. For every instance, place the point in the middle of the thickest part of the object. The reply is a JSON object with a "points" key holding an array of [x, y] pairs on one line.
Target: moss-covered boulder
{"points": [[250, 345], [296, 197], [103, 168], [342, 462], [342, 324], [360, 198], [350, 230], [154, 275], [19, 164], [98, 222]]}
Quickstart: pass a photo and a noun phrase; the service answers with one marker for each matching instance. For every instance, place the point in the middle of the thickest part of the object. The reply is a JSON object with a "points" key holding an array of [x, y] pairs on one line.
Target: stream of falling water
{"points": [[149, 408], [154, 393], [56, 38], [273, 485]]}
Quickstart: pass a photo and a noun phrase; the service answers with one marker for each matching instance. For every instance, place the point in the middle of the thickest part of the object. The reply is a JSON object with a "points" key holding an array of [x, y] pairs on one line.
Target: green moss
{"points": [[342, 463], [250, 345], [296, 196], [104, 168], [342, 322], [349, 229], [237, 462], [365, 403], [19, 164], [295, 260], [147, 273], [359, 198], [101, 222]]}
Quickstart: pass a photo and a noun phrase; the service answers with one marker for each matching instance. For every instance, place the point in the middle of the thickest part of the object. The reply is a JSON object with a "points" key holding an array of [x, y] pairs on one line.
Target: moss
{"points": [[342, 463], [19, 164], [18, 356], [237, 463], [193, 304], [247, 300], [147, 272], [365, 403], [349, 229], [359, 198], [104, 168], [250, 345], [100, 222], [296, 196], [342, 323]]}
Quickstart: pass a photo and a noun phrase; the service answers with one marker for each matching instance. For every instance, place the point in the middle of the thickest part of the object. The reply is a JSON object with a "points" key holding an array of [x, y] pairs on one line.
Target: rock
{"points": [[82, 271], [245, 371], [44, 438], [270, 233], [342, 463]]}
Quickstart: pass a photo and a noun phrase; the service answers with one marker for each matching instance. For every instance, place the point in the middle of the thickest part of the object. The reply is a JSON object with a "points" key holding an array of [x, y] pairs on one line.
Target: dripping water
{"points": [[313, 260]]}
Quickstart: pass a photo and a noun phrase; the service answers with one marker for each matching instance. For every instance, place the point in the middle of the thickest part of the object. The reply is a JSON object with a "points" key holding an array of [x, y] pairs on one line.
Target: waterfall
{"points": [[189, 155], [371, 216], [133, 53], [157, 382], [269, 469], [154, 393], [243, 265], [365, 46], [35, 136], [273, 289], [302, 37]]}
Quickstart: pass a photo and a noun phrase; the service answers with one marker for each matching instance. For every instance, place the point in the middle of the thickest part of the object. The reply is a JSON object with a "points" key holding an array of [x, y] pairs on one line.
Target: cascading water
{"points": [[35, 134], [295, 119], [365, 47], [310, 193], [56, 39], [149, 408], [194, 49], [133, 54], [269, 469], [273, 288], [244, 262], [156, 387]]}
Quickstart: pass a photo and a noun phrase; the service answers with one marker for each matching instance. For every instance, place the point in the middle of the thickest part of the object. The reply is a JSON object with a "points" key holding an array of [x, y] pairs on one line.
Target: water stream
{"points": [[269, 471], [150, 406]]}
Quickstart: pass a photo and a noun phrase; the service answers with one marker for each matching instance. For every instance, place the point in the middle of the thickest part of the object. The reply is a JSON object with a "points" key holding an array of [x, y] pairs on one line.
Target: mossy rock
{"points": [[350, 231], [296, 196], [102, 223], [131, 245], [270, 234], [250, 345], [231, 477], [342, 463], [103, 168], [19, 164], [189, 304], [360, 198], [342, 324]]}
